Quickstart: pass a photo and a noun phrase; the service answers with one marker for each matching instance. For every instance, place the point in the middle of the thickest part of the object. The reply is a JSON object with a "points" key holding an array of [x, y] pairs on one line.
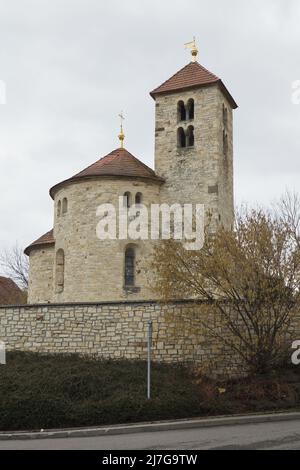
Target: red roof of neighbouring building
{"points": [[191, 76], [10, 293]]}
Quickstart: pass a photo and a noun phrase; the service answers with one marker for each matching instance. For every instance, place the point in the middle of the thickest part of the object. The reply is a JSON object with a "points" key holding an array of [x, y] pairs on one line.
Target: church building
{"points": [[193, 164]]}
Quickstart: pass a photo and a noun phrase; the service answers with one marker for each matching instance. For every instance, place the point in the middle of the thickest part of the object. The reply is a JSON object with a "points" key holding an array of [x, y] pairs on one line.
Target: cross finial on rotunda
{"points": [[121, 135]]}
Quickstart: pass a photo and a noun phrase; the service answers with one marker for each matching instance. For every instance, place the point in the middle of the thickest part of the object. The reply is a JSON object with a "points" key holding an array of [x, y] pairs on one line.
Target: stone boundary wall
{"points": [[112, 330], [119, 330]]}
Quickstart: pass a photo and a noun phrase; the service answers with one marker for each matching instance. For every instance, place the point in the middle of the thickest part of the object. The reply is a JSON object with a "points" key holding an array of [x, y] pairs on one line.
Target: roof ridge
{"points": [[116, 153], [118, 163], [173, 76], [192, 75], [206, 70], [189, 65], [141, 163], [92, 164], [46, 239]]}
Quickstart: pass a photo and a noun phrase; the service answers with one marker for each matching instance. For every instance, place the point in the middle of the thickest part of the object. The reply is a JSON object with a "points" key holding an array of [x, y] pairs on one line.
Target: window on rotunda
{"points": [[127, 199], [59, 208], [64, 206], [138, 198], [60, 271], [129, 280]]}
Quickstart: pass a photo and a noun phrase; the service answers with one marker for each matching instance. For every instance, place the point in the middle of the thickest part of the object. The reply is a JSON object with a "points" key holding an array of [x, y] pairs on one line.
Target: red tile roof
{"points": [[10, 293], [191, 76], [118, 163], [44, 240]]}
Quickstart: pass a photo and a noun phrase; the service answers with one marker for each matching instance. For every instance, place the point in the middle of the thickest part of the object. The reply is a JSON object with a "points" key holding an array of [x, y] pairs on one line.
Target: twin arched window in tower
{"points": [[185, 138], [185, 112]]}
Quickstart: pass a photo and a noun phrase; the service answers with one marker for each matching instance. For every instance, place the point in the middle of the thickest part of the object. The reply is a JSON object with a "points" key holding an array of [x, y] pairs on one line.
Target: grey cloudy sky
{"points": [[70, 66]]}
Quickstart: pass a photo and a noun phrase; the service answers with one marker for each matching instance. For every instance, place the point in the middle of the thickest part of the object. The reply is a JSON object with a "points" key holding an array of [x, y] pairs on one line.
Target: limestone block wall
{"points": [[119, 330], [198, 174], [114, 330], [41, 275]]}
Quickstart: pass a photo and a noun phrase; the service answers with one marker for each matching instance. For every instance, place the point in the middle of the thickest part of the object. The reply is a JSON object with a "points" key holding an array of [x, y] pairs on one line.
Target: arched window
{"points": [[127, 199], [60, 271], [190, 109], [138, 198], [190, 136], [181, 138], [225, 143], [58, 208], [181, 112], [225, 116], [129, 280], [64, 206]]}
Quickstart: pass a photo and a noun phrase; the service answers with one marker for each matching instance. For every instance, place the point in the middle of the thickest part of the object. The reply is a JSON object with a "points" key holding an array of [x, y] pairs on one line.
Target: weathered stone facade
{"points": [[41, 275], [200, 173], [94, 269]]}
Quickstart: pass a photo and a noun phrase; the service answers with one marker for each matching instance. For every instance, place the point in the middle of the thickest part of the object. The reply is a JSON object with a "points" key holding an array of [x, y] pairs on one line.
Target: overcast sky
{"points": [[70, 66]]}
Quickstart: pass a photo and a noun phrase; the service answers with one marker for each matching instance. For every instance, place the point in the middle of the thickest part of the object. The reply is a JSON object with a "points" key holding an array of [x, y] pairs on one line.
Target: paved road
{"points": [[281, 435]]}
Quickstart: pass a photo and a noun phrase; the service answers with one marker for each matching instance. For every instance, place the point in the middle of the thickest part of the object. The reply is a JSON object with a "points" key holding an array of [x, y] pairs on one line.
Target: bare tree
{"points": [[289, 209], [15, 265], [249, 277]]}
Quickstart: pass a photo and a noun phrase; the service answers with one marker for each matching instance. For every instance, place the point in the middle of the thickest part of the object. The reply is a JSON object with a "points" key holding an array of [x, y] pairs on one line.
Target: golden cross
{"points": [[121, 135], [121, 116]]}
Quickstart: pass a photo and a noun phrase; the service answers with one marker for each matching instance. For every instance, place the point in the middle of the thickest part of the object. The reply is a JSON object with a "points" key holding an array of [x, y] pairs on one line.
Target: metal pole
{"points": [[149, 359]]}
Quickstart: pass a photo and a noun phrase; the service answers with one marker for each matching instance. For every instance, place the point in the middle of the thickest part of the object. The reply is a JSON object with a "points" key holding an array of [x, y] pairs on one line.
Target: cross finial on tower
{"points": [[121, 135], [192, 46]]}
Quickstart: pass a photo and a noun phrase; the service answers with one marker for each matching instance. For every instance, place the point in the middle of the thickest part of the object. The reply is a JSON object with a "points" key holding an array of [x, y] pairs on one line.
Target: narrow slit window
{"points": [[225, 143], [138, 198], [129, 267], [65, 206], [127, 199], [60, 271]]}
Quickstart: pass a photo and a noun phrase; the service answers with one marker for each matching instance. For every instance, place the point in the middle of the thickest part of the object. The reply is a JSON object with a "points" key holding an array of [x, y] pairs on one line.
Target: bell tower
{"points": [[194, 140]]}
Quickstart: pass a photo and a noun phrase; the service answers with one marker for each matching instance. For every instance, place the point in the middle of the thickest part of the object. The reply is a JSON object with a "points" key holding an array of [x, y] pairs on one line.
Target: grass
{"points": [[51, 391]]}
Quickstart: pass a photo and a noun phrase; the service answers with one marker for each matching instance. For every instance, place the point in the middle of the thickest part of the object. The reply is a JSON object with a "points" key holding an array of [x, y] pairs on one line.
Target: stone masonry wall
{"points": [[114, 330], [119, 330], [41, 275]]}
